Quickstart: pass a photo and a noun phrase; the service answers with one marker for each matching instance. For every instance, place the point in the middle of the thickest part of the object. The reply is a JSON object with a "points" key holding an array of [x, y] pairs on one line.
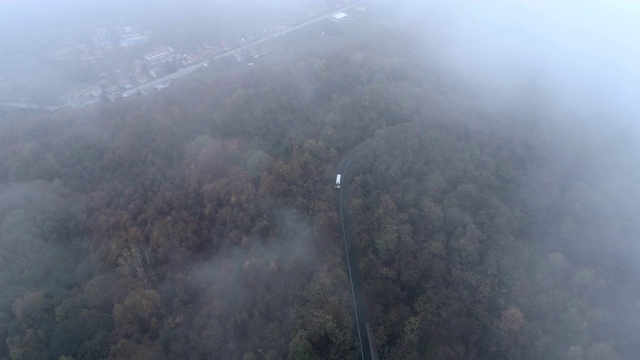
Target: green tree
{"points": [[300, 348]]}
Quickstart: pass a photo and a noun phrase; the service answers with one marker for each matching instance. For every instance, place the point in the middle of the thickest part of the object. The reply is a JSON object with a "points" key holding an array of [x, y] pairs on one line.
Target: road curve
{"points": [[361, 310]]}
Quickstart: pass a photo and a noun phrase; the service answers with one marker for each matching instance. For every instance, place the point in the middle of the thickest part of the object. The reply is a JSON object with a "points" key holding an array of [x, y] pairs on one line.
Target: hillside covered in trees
{"points": [[200, 222]]}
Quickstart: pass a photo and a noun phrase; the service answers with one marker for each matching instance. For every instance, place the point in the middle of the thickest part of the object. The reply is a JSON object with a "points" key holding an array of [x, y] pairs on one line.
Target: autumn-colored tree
{"points": [[139, 315]]}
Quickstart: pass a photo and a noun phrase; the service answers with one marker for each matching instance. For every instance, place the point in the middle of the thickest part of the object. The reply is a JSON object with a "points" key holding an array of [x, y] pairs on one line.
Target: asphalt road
{"points": [[361, 310]]}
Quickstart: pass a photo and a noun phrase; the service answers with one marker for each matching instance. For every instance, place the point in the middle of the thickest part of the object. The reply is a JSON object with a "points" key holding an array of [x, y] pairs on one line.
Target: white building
{"points": [[159, 54], [339, 16]]}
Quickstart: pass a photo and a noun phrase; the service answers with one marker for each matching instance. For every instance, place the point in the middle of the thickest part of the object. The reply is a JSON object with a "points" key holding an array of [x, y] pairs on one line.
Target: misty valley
{"points": [[490, 201]]}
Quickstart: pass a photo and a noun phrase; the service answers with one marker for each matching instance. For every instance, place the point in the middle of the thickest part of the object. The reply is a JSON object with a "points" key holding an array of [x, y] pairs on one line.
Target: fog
{"points": [[582, 50], [590, 28], [575, 54], [581, 60], [494, 208]]}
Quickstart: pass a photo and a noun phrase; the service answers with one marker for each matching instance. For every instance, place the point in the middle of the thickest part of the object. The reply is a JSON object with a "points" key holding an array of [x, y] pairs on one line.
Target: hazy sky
{"points": [[606, 30]]}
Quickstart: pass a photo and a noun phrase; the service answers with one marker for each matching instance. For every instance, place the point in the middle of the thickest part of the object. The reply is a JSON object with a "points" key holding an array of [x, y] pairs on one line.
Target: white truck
{"points": [[338, 178]]}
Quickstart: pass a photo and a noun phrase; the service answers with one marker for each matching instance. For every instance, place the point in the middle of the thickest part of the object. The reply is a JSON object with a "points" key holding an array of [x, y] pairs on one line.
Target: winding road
{"points": [[361, 310]]}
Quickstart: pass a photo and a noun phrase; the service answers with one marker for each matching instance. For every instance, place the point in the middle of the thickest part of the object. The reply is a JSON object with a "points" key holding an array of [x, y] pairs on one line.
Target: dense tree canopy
{"points": [[200, 222]]}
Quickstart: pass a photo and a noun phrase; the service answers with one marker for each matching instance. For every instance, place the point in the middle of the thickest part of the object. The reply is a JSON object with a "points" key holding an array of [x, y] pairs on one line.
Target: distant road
{"points": [[361, 309], [275, 35], [192, 68], [32, 106], [20, 105], [175, 75]]}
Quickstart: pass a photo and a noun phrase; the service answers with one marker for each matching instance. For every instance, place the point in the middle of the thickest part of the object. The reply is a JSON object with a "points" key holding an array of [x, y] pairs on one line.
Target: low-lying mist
{"points": [[492, 203]]}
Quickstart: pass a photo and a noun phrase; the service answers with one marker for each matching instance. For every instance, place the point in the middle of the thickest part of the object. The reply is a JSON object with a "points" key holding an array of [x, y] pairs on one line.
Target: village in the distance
{"points": [[125, 60]]}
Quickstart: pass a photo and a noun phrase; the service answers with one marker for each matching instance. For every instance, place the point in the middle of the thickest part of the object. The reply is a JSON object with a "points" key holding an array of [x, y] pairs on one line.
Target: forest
{"points": [[200, 222]]}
